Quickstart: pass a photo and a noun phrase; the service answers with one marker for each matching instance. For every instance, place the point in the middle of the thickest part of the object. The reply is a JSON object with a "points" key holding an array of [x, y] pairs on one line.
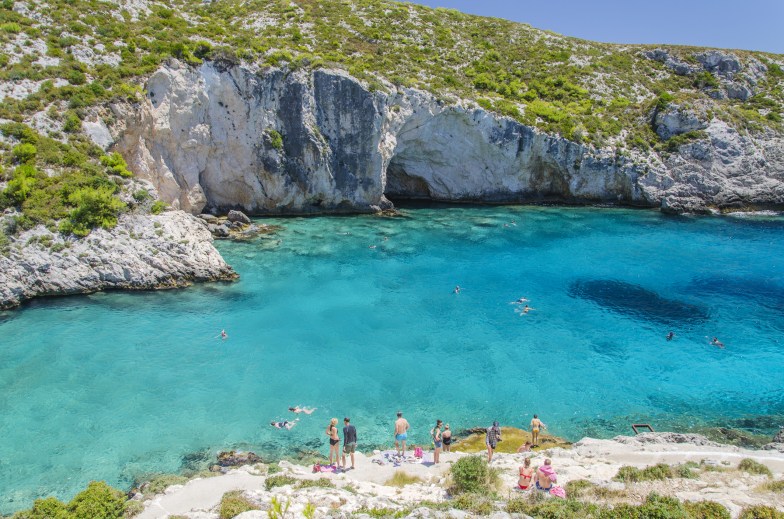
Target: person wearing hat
{"points": [[491, 440]]}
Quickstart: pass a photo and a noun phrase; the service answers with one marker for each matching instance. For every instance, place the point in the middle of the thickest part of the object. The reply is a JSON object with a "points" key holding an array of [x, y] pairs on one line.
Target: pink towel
{"points": [[558, 492]]}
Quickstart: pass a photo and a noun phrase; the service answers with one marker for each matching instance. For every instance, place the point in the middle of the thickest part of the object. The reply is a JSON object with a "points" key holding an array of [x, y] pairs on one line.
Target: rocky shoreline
{"points": [[143, 252], [711, 474]]}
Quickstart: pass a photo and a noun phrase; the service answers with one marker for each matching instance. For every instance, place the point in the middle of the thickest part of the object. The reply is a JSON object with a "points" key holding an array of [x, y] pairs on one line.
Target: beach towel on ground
{"points": [[557, 491]]}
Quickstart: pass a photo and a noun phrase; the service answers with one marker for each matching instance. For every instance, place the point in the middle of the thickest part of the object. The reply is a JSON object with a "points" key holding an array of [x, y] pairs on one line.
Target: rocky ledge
{"points": [[142, 252], [589, 469]]}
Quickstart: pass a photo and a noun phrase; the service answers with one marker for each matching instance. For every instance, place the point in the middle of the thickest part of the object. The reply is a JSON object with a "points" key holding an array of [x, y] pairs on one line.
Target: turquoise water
{"points": [[115, 386]]}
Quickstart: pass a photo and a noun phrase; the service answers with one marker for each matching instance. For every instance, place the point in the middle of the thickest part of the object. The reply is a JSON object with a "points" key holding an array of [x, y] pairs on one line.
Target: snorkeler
{"points": [[717, 342], [519, 301], [285, 424], [670, 336], [306, 410]]}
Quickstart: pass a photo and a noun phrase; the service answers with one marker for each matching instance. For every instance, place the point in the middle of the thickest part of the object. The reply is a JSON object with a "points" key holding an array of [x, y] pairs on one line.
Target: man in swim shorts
{"points": [[401, 432], [349, 441]]}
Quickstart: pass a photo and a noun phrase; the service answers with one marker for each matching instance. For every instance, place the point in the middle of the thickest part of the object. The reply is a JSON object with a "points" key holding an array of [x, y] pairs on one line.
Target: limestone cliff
{"points": [[222, 136]]}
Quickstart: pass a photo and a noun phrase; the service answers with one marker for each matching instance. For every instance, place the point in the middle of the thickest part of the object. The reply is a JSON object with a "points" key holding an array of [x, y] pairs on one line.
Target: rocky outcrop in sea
{"points": [[224, 136], [142, 252]]}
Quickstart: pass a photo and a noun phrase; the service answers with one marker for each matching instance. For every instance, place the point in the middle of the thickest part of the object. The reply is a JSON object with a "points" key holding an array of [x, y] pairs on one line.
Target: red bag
{"points": [[418, 452]]}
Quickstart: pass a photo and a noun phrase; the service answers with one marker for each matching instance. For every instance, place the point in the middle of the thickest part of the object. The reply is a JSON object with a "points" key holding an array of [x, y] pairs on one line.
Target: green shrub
{"points": [[754, 467], [279, 481], [11, 27], [49, 508], [706, 80], [706, 510], [157, 207], [161, 482], [22, 183], [629, 474], [318, 483], [72, 122], [141, 195], [401, 479], [4, 240], [98, 500], [92, 208], [471, 474], [233, 504], [770, 486], [760, 512], [116, 164], [478, 504], [24, 153], [275, 138]]}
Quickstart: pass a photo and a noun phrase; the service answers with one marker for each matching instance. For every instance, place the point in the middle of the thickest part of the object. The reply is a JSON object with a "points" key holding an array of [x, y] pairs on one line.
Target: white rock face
{"points": [[206, 138], [143, 252]]}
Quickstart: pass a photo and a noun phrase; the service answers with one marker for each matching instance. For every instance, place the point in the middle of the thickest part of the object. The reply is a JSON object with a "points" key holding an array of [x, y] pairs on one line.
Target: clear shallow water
{"points": [[115, 386]]}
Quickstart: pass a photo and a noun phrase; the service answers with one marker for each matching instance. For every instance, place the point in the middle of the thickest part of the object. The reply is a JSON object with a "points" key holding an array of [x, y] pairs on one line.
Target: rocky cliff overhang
{"points": [[222, 136]]}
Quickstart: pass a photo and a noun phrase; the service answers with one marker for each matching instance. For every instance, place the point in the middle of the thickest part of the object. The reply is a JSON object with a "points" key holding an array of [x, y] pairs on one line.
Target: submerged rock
{"points": [[237, 458]]}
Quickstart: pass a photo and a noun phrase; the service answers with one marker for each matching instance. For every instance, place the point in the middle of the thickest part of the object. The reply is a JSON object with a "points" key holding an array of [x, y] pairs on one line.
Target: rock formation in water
{"points": [[221, 136], [142, 252]]}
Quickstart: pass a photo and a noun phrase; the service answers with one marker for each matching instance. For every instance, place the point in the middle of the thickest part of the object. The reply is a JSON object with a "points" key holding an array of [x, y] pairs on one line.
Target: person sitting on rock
{"points": [[545, 476]]}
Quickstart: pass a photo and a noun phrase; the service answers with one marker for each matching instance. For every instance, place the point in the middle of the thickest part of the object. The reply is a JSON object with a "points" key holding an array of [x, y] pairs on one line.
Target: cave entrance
{"points": [[402, 185]]}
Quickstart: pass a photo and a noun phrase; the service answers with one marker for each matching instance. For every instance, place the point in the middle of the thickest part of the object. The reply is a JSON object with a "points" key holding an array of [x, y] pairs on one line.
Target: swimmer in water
{"points": [[670, 336], [285, 424], [519, 301], [222, 335], [524, 310], [456, 290], [717, 342], [305, 410]]}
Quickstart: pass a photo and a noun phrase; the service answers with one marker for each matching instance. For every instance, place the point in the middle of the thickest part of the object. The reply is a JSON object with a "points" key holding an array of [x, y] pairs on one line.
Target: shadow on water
{"points": [[637, 302], [761, 291]]}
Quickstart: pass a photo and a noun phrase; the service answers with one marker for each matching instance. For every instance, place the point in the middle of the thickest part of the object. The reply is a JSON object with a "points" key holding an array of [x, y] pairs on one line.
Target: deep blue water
{"points": [[118, 385]]}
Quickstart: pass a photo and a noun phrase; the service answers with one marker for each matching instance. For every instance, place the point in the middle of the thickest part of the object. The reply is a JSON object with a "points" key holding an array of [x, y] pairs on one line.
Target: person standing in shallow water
{"points": [[492, 437], [349, 441], [334, 441], [536, 424], [401, 432]]}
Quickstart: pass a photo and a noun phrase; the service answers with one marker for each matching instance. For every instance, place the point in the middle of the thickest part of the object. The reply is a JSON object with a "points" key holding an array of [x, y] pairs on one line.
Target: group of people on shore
{"points": [[542, 478]]}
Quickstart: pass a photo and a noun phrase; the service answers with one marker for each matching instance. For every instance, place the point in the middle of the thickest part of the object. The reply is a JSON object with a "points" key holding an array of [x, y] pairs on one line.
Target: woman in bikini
{"points": [[526, 475], [334, 440], [446, 437]]}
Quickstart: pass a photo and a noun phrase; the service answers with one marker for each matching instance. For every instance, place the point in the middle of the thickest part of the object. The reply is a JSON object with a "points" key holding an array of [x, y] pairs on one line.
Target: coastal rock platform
{"points": [[596, 461]]}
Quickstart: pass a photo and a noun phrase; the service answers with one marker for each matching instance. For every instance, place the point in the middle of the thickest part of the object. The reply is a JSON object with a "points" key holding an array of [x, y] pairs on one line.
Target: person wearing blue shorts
{"points": [[401, 432]]}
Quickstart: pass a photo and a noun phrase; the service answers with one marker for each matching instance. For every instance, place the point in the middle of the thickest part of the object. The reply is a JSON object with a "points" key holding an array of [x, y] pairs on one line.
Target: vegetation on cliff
{"points": [[62, 58]]}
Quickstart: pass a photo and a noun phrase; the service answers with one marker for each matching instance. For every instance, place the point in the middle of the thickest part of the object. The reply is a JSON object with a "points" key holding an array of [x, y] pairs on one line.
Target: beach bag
{"points": [[418, 452], [557, 491]]}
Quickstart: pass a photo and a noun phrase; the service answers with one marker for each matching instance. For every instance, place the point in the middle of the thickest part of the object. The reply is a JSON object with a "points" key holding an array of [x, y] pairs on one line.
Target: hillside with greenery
{"points": [[71, 55]]}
